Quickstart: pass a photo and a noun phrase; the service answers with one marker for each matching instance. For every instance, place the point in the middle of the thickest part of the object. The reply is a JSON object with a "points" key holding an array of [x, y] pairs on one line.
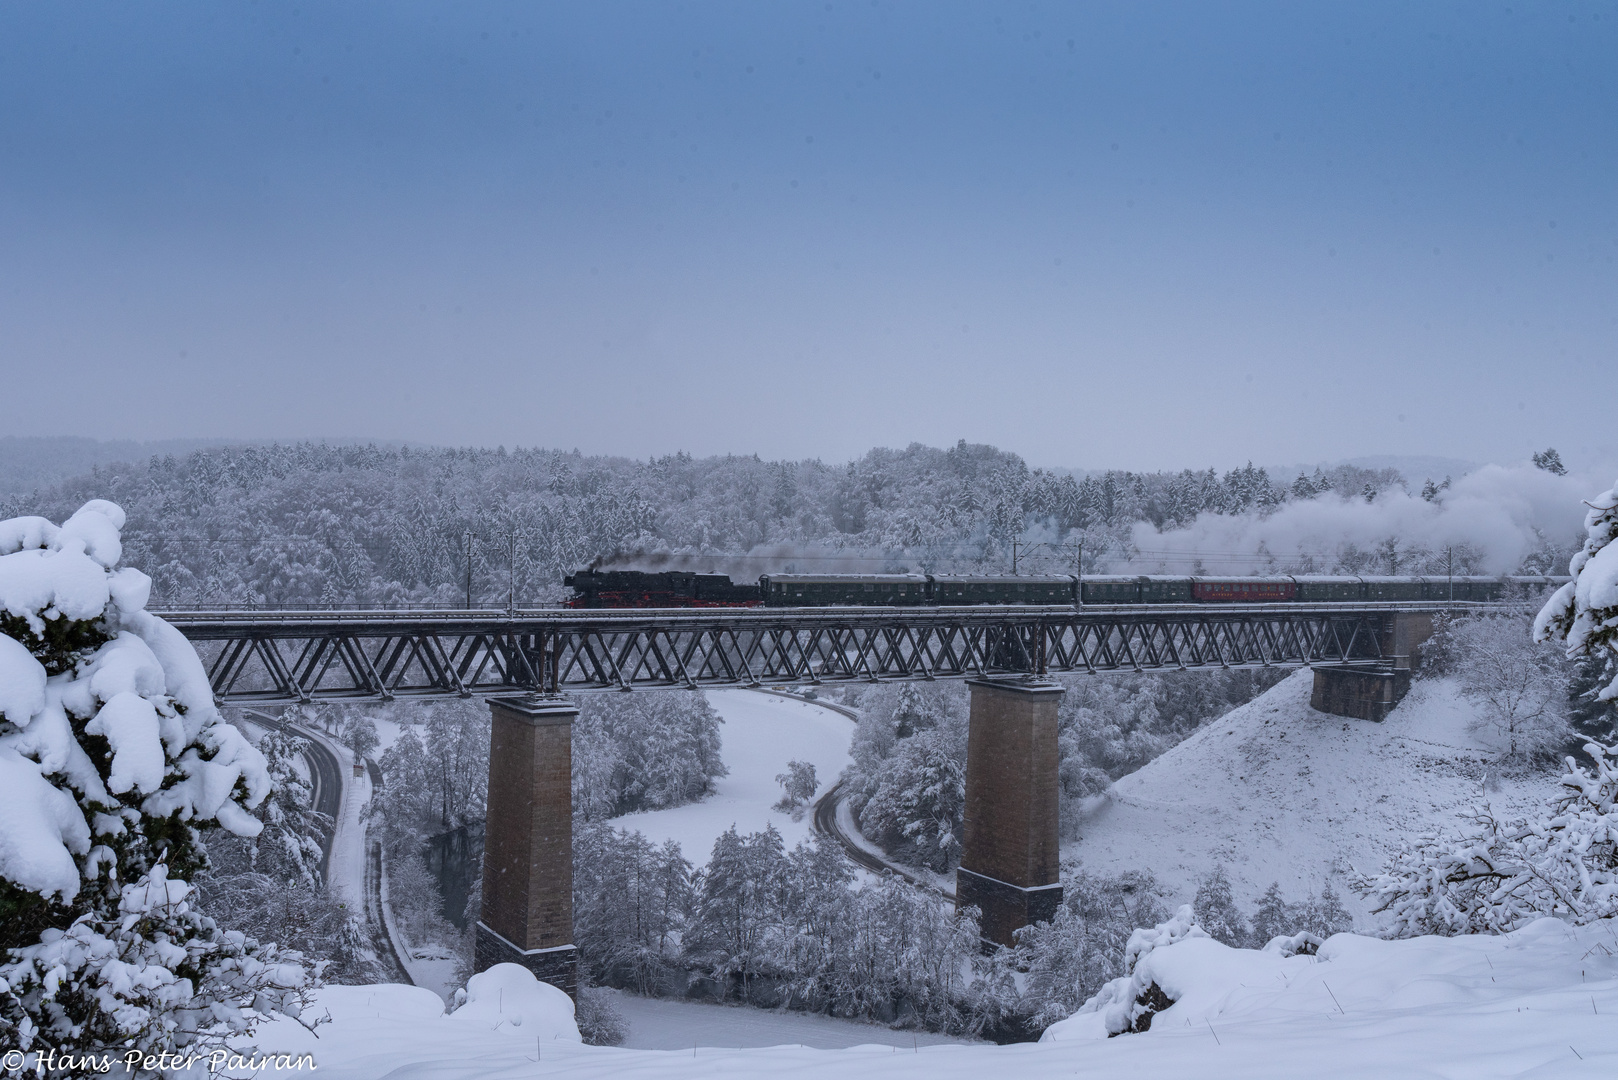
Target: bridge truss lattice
{"points": [[326, 656]]}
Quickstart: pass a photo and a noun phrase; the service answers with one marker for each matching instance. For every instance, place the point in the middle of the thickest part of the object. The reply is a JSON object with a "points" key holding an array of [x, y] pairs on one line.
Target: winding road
{"points": [[325, 777], [828, 821], [358, 875]]}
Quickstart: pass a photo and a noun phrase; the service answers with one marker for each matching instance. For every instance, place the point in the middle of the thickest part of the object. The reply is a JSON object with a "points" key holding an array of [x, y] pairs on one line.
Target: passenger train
{"points": [[684, 589]]}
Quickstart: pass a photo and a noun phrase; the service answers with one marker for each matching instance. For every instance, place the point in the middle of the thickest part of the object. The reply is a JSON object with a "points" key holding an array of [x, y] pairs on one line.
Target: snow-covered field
{"points": [[664, 1024], [1537, 1003], [1278, 792], [760, 735]]}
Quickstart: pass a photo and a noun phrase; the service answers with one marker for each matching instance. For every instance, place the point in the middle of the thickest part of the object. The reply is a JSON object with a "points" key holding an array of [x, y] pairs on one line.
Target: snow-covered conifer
{"points": [[112, 755], [1324, 914], [1216, 910], [290, 844], [1549, 460], [919, 806], [1584, 612], [1273, 916]]}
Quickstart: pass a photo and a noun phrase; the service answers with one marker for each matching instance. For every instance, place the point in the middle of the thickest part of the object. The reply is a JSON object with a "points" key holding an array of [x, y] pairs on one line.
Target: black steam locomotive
{"points": [[684, 589]]}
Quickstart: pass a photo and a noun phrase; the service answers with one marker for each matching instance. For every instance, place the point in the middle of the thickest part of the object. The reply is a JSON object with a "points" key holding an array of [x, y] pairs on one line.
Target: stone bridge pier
{"points": [[1011, 849], [1369, 691], [526, 915]]}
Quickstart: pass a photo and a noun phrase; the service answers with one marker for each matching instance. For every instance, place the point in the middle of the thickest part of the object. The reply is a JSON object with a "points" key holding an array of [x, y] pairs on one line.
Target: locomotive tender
{"points": [[684, 589]]}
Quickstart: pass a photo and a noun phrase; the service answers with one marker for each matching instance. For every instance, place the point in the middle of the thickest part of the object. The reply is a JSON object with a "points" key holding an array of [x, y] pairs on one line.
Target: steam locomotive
{"points": [[684, 589]]}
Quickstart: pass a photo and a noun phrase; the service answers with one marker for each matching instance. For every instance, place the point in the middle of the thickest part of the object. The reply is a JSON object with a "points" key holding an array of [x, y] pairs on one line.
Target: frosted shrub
{"points": [[1503, 875], [798, 786], [1128, 1002], [112, 755], [1520, 688]]}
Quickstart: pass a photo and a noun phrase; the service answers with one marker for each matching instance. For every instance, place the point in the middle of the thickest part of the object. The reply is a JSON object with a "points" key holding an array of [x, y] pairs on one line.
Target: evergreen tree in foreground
{"points": [[112, 755], [1583, 614]]}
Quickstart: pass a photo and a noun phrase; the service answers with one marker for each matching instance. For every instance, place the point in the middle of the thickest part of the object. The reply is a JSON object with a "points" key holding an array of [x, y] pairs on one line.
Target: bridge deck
{"points": [[272, 656]]}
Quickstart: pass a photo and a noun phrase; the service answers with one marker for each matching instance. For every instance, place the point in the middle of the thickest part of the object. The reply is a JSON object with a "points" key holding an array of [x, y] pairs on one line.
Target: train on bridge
{"points": [[686, 589]]}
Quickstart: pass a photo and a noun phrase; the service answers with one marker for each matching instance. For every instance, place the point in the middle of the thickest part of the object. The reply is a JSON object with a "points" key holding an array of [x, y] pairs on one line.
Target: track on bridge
{"points": [[381, 655]]}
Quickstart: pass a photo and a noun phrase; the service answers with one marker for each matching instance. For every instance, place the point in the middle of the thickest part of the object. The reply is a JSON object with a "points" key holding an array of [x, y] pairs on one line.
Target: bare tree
{"points": [[1521, 687]]}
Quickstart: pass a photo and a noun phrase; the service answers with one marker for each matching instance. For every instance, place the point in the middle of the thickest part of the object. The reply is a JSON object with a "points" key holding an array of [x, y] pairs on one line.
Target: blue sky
{"points": [[1140, 235]]}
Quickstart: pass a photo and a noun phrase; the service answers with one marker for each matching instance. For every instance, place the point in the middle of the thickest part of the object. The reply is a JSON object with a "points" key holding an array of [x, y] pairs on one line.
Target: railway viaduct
{"points": [[525, 664]]}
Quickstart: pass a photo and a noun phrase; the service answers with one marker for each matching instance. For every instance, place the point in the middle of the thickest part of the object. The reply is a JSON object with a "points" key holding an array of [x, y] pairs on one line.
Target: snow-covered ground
{"points": [[760, 735], [1279, 792], [1536, 1003], [663, 1024]]}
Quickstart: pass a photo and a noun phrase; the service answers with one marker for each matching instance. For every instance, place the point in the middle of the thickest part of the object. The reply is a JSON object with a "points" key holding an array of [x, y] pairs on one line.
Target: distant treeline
{"points": [[366, 525]]}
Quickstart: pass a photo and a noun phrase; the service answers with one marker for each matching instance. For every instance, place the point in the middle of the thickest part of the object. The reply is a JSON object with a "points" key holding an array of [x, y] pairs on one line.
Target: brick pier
{"points": [[527, 911], [1010, 853], [1370, 691]]}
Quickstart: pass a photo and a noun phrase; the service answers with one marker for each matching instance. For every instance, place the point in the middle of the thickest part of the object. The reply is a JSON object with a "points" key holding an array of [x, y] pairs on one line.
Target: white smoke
{"points": [[1501, 513]]}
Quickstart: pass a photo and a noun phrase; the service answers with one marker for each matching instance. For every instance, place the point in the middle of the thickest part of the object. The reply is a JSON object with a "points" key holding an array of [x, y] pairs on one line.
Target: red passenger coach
{"points": [[1244, 590]]}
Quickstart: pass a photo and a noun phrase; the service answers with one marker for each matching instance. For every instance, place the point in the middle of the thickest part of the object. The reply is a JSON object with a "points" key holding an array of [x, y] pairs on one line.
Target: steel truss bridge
{"points": [[286, 656]]}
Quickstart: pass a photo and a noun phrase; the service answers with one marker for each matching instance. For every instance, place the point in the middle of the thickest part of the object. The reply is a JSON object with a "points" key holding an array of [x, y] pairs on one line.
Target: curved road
{"points": [[826, 823], [325, 776]]}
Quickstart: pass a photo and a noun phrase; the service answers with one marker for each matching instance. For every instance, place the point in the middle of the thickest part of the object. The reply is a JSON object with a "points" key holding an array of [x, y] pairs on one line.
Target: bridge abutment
{"points": [[1370, 692], [526, 916], [1403, 635], [1011, 849]]}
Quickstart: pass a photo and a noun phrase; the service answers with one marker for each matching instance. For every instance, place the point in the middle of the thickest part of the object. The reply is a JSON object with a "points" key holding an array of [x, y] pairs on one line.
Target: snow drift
{"points": [[1537, 1002]]}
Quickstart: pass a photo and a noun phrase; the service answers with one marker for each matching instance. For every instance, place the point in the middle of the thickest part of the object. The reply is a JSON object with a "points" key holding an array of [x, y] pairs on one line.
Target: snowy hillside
{"points": [[1279, 792]]}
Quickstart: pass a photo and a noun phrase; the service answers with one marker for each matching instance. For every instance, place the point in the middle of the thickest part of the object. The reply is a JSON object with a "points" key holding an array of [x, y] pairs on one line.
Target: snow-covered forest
{"points": [[104, 724], [305, 524]]}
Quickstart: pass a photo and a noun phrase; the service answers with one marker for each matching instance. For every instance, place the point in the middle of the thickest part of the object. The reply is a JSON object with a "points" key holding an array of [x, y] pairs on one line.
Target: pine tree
{"points": [[1216, 910], [289, 847], [112, 756], [1549, 460], [918, 808], [1324, 915], [1584, 613], [1273, 917]]}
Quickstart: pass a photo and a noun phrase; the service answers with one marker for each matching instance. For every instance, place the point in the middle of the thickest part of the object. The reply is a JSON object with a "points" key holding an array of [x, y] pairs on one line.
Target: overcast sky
{"points": [[1138, 235]]}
